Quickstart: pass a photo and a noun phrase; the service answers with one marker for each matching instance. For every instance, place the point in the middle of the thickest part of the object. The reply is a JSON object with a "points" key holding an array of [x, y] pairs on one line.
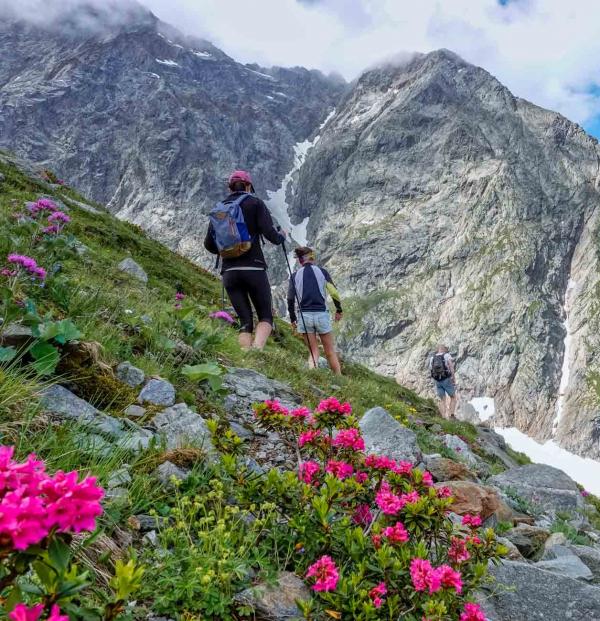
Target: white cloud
{"points": [[547, 51]]}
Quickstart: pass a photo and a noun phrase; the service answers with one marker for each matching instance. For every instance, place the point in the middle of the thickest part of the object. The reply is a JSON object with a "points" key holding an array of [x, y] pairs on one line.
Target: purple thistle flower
{"points": [[223, 315]]}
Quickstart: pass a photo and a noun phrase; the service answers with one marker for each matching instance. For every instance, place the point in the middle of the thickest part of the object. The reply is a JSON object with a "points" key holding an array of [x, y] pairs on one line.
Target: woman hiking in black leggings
{"points": [[245, 277]]}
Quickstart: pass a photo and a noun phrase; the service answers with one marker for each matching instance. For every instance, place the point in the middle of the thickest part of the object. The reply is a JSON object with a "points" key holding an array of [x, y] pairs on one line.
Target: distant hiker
{"points": [[236, 226], [441, 367], [310, 284]]}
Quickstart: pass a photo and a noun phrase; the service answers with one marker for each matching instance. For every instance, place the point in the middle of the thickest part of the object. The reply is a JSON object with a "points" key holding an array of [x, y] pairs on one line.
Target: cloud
{"points": [[547, 51]]}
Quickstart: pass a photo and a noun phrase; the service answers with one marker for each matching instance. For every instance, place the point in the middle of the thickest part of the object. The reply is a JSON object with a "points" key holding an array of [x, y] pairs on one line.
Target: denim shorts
{"points": [[445, 387], [319, 322]]}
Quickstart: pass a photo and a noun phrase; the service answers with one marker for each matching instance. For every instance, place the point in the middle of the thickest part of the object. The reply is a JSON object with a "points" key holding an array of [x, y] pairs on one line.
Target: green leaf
{"points": [[47, 578], [59, 554], [46, 358], [200, 372], [7, 354]]}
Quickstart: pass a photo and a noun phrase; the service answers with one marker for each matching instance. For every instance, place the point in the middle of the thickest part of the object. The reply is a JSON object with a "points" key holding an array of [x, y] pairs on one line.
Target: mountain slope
{"points": [[453, 211], [146, 120]]}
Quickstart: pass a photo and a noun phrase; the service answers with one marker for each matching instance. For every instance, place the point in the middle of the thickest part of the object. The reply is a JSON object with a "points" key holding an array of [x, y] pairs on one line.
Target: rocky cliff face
{"points": [[450, 210], [147, 121]]}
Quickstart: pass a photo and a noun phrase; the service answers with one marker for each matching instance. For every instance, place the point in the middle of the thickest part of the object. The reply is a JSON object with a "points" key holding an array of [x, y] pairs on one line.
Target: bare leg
{"points": [[451, 406], [442, 407], [245, 340], [263, 330], [330, 353], [313, 347]]}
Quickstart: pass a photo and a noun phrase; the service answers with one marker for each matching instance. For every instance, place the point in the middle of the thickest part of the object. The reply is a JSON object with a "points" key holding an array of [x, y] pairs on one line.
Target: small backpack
{"points": [[439, 370], [229, 227]]}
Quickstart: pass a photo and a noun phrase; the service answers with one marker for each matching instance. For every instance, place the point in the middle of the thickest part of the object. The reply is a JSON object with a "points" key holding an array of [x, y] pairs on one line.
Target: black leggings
{"points": [[245, 286]]}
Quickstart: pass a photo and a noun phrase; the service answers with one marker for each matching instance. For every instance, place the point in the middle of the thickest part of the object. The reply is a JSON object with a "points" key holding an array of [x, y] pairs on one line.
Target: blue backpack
{"points": [[230, 230]]}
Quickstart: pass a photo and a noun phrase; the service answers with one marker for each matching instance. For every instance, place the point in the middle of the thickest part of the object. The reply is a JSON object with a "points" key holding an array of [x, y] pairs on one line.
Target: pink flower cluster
{"points": [[309, 437], [396, 533], [222, 315], [332, 406], [390, 503], [308, 471], [383, 463], [362, 515], [471, 520], [349, 439], [23, 613], [458, 552], [377, 593], [472, 612], [325, 573], [339, 469], [33, 503], [42, 204], [427, 578], [29, 264]]}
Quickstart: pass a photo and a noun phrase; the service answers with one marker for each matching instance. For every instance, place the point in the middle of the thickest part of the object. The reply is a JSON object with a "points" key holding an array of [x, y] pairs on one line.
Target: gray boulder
{"points": [[15, 335], [247, 387], [133, 269], [591, 557], [182, 427], [542, 485], [158, 392], [525, 592], [568, 564], [56, 399], [528, 539], [167, 470], [276, 602], [384, 435], [130, 375], [461, 448], [134, 411]]}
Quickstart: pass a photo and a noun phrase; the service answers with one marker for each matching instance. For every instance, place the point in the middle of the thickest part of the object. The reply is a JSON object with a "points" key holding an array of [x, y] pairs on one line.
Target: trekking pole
{"points": [[298, 302]]}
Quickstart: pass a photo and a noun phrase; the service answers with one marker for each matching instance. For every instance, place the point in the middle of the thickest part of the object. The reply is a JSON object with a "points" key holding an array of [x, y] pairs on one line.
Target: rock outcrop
{"points": [[449, 209]]}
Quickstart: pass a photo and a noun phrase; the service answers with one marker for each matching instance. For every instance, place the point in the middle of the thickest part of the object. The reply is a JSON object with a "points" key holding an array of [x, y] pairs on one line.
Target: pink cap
{"points": [[240, 175]]}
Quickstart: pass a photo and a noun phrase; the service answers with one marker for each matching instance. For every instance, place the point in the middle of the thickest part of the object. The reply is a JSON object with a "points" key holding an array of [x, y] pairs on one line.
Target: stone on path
{"points": [[157, 392], [182, 427], [130, 375]]}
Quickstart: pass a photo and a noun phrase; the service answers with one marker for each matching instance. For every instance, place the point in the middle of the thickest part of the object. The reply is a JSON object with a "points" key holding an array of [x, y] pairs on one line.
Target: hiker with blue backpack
{"points": [[236, 227], [441, 368], [308, 288]]}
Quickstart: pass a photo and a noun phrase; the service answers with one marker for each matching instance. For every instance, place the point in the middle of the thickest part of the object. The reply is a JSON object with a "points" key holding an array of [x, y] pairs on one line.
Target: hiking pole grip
{"points": [[293, 281]]}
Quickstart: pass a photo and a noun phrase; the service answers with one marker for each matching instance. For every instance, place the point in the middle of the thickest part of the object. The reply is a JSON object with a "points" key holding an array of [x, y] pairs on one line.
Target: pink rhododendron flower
{"points": [[332, 405], [326, 574], [308, 437], [32, 503], [377, 593], [362, 515], [21, 612], [396, 533], [387, 501], [444, 492], [56, 616], [180, 296], [474, 539], [223, 315], [472, 612], [350, 439], [423, 576], [449, 578], [380, 462], [308, 470], [361, 477], [402, 467], [377, 541], [471, 520], [409, 498], [277, 408], [458, 552], [427, 479], [340, 469], [301, 413], [585, 493]]}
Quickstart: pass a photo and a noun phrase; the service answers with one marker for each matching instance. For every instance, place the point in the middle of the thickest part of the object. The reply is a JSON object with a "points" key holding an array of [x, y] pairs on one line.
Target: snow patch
{"points": [[277, 200], [202, 54], [262, 75], [484, 406], [584, 470], [153, 75], [166, 61], [565, 374]]}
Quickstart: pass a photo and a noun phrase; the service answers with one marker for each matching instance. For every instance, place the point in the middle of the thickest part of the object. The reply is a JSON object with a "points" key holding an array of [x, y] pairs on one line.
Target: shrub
{"points": [[372, 535]]}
